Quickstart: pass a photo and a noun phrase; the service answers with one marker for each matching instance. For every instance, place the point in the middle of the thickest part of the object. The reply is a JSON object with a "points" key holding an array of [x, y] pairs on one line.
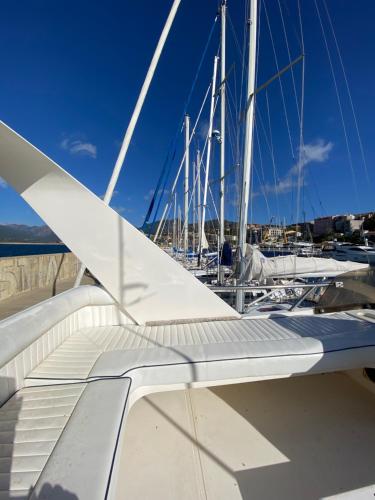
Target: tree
{"points": [[369, 223]]}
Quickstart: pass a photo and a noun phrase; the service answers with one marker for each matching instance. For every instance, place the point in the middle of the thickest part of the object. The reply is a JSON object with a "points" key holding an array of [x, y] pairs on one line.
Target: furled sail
{"points": [[258, 267], [204, 240]]}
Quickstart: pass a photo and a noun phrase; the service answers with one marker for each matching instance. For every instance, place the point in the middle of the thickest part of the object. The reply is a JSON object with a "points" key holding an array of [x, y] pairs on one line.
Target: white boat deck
{"points": [[98, 372], [304, 438]]}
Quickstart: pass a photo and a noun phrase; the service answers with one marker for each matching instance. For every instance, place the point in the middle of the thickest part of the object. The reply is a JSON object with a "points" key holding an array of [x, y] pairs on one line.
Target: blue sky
{"points": [[71, 73]]}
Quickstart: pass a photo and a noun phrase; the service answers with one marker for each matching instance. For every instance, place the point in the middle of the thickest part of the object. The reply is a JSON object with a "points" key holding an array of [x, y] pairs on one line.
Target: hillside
{"points": [[20, 233]]}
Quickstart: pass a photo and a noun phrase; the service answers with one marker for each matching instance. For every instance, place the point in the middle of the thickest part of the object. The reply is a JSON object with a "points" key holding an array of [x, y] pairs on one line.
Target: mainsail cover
{"points": [[258, 267], [148, 284], [204, 243]]}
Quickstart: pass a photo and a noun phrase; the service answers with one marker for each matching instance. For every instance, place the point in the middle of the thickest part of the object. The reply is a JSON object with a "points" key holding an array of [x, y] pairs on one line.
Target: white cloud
{"points": [[3, 183], [150, 194], [75, 146], [283, 186], [203, 129], [315, 152]]}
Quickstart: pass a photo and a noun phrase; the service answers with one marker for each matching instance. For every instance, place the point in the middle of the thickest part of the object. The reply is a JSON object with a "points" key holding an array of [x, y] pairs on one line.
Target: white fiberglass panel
{"points": [[146, 282]]}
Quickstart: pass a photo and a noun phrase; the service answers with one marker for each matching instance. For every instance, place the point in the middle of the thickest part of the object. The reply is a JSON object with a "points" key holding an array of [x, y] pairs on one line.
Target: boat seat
{"points": [[309, 337], [68, 383], [31, 422], [61, 440], [84, 461]]}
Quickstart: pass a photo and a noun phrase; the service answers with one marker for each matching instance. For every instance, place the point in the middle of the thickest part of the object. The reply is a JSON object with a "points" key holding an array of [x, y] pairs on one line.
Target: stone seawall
{"points": [[23, 274]]}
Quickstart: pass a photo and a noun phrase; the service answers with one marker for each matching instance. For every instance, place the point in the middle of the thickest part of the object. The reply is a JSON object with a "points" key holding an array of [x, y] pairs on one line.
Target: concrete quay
{"points": [[28, 280]]}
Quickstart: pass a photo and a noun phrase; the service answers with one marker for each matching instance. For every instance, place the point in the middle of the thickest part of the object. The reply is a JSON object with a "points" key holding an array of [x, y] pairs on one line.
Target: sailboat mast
{"points": [[179, 228], [209, 146], [174, 221], [186, 185], [193, 169], [199, 202], [139, 103], [136, 112], [248, 153], [222, 119]]}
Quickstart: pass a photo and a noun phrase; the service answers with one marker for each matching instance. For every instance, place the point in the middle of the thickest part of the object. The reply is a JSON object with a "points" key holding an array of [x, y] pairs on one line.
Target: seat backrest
{"points": [[29, 336]]}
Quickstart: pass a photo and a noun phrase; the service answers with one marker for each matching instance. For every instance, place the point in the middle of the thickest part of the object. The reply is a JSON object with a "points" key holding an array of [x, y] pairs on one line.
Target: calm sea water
{"points": [[15, 250], [274, 253]]}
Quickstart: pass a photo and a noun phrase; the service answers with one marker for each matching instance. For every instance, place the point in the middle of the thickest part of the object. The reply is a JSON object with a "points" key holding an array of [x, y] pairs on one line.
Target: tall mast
{"points": [[166, 208], [248, 153], [222, 120], [186, 184], [209, 145], [175, 221], [193, 169], [139, 103], [136, 112], [199, 201], [179, 228]]}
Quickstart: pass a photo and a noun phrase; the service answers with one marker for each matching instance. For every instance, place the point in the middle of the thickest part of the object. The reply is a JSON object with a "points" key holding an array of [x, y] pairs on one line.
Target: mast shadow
{"points": [[323, 424]]}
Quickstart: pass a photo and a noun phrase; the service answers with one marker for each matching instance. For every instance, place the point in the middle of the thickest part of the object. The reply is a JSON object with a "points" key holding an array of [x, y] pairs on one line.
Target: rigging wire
{"points": [[262, 182], [243, 52], [191, 198], [339, 105], [272, 156], [243, 69], [295, 31], [280, 82], [348, 90], [260, 155], [201, 156], [241, 130], [236, 41], [232, 128], [262, 189], [301, 150], [290, 59], [183, 158], [166, 171]]}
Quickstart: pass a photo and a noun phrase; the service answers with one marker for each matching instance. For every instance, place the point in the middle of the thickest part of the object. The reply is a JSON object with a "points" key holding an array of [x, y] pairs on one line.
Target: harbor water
{"points": [[20, 249]]}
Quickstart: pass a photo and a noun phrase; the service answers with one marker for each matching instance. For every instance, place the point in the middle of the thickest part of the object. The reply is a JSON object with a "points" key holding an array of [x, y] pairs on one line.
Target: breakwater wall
{"points": [[23, 274]]}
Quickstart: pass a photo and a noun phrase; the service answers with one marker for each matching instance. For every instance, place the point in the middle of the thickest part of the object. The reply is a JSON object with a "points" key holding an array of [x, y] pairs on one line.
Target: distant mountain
{"points": [[20, 233]]}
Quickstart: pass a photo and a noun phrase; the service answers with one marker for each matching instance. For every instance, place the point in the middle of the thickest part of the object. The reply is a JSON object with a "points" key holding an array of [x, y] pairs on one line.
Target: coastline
{"points": [[29, 243]]}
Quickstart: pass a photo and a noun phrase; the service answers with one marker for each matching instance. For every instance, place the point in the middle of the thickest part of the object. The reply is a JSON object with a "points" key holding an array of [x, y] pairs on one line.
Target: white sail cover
{"points": [[148, 284], [258, 267], [204, 243]]}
